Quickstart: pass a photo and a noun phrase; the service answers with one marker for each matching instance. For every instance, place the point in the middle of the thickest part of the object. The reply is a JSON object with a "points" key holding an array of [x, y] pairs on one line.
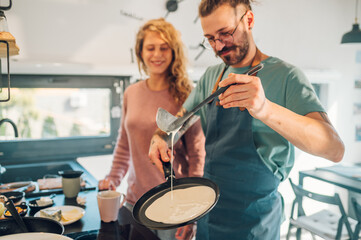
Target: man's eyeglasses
{"points": [[224, 37]]}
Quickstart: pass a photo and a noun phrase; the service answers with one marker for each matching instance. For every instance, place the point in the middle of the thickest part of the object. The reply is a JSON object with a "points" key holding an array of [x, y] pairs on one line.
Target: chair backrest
{"points": [[357, 209], [300, 193]]}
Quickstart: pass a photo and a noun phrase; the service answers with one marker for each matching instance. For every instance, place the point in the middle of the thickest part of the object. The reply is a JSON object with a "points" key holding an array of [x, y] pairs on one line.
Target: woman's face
{"points": [[156, 54]]}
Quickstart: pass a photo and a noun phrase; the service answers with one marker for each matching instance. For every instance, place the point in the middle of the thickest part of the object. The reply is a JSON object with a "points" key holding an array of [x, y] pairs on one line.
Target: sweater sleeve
{"points": [[195, 147], [121, 155]]}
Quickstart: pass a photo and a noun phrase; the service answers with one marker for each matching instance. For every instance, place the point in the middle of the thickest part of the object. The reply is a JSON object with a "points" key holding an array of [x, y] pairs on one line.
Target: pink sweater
{"points": [[140, 105]]}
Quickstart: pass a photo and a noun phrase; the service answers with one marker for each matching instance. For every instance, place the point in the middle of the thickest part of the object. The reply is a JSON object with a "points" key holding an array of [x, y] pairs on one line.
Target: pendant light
{"points": [[8, 48], [355, 35]]}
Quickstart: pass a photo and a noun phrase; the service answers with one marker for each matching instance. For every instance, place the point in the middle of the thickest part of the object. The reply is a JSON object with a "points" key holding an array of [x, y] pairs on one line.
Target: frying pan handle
{"points": [[167, 170], [14, 213]]}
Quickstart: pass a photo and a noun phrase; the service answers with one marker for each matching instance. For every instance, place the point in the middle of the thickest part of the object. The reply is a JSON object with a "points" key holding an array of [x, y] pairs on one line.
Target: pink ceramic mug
{"points": [[109, 203]]}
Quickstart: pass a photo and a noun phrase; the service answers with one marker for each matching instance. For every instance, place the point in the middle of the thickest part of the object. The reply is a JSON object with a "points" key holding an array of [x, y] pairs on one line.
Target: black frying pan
{"points": [[33, 224], [149, 197]]}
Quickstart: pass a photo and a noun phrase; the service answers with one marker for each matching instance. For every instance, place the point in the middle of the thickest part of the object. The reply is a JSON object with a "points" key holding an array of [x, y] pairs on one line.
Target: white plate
{"points": [[35, 235], [65, 209]]}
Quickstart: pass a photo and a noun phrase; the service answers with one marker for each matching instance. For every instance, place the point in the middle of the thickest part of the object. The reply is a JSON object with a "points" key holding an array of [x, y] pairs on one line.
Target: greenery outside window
{"points": [[58, 117]]}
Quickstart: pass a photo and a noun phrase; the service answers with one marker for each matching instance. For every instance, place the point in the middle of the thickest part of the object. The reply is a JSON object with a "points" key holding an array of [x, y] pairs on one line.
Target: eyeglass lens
{"points": [[224, 38]]}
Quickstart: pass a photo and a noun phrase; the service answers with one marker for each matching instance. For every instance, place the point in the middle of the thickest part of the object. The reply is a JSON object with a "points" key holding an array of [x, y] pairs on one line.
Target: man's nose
{"points": [[219, 45]]}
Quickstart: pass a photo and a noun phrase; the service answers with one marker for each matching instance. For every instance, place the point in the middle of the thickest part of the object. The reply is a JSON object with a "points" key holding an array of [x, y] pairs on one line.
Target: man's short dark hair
{"points": [[206, 7]]}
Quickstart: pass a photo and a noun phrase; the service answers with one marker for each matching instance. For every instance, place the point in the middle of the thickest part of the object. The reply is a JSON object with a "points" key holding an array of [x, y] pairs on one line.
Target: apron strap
{"points": [[257, 59], [215, 87]]}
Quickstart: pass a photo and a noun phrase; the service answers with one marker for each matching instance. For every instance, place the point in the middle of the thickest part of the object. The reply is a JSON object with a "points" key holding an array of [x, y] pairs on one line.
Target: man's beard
{"points": [[240, 53]]}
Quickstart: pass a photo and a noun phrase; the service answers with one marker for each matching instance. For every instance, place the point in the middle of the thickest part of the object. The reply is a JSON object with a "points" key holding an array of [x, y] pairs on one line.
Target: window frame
{"points": [[39, 150]]}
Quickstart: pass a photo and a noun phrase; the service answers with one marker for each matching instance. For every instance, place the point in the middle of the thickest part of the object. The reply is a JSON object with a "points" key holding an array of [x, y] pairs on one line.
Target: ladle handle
{"points": [[14, 213], [251, 71]]}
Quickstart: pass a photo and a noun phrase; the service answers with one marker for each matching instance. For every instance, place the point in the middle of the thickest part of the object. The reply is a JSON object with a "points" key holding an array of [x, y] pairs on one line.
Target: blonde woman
{"points": [[161, 57]]}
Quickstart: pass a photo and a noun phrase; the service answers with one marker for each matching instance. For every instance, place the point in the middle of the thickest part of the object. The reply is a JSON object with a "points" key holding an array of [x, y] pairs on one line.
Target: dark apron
{"points": [[249, 206]]}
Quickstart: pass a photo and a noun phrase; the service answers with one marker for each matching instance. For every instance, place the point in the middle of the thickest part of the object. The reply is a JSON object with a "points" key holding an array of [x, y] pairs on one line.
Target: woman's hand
{"points": [[106, 184], [186, 232], [159, 151]]}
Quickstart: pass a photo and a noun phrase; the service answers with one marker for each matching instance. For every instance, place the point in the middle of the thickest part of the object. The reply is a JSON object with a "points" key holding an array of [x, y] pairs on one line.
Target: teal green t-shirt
{"points": [[284, 85]]}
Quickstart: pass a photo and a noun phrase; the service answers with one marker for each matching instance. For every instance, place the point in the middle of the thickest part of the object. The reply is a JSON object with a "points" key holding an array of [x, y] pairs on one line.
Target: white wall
{"points": [[308, 34]]}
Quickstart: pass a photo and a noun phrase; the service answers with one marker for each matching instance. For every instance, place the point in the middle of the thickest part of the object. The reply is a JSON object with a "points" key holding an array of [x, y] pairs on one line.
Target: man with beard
{"points": [[252, 128]]}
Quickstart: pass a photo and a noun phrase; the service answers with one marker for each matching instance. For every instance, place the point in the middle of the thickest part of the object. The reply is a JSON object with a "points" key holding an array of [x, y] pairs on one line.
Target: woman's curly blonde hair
{"points": [[179, 83]]}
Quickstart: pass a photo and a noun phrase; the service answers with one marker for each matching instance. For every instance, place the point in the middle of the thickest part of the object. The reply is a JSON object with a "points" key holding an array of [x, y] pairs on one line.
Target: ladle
{"points": [[169, 123], [14, 213]]}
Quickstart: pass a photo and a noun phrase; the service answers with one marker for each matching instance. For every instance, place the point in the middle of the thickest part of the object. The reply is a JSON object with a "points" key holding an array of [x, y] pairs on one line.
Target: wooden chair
{"points": [[325, 224], [357, 209]]}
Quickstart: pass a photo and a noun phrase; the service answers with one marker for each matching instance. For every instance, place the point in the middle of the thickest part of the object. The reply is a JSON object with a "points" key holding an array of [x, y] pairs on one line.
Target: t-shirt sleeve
{"points": [[202, 90], [194, 97], [197, 95], [300, 95]]}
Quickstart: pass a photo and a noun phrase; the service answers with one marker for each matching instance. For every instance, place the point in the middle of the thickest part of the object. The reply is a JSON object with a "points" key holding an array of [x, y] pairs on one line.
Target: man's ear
{"points": [[250, 19]]}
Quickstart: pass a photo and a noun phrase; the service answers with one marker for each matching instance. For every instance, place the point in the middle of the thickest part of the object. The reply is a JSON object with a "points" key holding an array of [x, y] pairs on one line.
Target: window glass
{"points": [[40, 113], [321, 90]]}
